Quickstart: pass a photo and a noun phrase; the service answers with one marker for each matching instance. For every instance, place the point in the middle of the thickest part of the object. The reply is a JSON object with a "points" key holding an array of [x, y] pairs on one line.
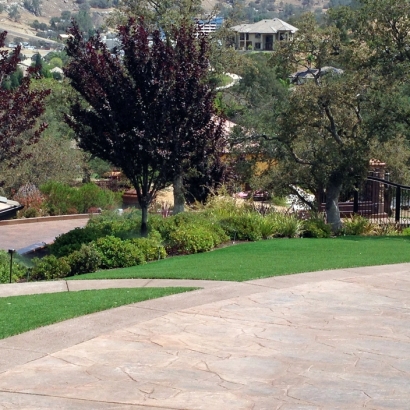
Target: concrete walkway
{"points": [[324, 340]]}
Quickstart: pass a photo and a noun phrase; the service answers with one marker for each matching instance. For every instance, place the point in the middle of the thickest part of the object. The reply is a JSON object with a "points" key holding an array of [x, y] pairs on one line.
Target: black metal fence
{"points": [[383, 201], [377, 199]]}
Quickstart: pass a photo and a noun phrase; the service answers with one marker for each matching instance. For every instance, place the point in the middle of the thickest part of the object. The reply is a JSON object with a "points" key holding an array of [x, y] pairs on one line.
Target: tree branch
{"points": [[332, 129]]}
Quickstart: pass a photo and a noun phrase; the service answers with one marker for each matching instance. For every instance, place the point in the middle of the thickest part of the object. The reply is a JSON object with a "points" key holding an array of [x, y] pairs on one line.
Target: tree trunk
{"points": [[179, 197], [144, 220], [332, 206]]}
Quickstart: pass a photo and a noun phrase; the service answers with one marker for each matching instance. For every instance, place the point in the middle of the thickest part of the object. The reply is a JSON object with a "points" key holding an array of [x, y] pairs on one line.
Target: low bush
{"points": [[387, 229], [125, 225], [91, 195], [62, 199], [58, 197], [151, 248], [316, 227], [223, 205], [85, 260], [18, 270], [73, 240], [357, 225], [245, 227], [32, 199], [191, 238], [286, 226], [267, 227], [50, 267], [116, 253]]}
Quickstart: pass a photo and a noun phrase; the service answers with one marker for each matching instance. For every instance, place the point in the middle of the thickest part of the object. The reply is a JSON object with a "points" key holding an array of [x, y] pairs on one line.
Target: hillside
{"points": [[53, 8]]}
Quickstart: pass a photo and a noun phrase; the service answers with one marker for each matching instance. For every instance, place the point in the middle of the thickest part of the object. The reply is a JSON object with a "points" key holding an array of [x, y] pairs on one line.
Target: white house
{"points": [[262, 35]]}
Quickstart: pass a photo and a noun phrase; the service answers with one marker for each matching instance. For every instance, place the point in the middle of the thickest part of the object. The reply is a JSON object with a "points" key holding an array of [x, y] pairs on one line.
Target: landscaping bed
{"points": [[112, 240]]}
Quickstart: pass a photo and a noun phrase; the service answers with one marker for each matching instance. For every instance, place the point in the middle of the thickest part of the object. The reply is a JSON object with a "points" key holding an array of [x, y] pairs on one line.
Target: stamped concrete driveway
{"points": [[22, 234], [325, 340]]}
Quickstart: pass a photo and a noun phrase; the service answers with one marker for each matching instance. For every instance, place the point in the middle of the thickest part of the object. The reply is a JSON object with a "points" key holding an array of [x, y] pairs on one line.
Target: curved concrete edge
{"points": [[35, 288], [275, 282]]}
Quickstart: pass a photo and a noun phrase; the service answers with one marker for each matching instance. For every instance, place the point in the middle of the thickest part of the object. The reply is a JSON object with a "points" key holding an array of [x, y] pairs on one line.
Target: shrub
{"points": [[32, 199], [316, 227], [116, 253], [50, 267], [151, 248], [243, 227], [286, 226], [29, 213], [63, 199], [267, 226], [187, 239], [222, 204], [164, 226], [91, 195], [71, 241], [124, 226], [406, 231], [18, 270], [357, 225], [85, 260], [59, 197]]}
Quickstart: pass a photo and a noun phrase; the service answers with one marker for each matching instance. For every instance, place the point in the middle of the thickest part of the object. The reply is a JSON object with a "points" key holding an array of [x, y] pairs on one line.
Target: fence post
{"points": [[356, 199], [398, 202]]}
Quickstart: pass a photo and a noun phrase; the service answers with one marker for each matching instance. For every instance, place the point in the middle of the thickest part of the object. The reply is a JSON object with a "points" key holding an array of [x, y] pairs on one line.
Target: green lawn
{"points": [[19, 314], [271, 258]]}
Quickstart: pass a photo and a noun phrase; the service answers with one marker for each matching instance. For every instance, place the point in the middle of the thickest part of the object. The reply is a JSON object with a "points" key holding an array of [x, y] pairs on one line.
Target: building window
{"points": [[257, 46], [241, 36], [257, 35]]}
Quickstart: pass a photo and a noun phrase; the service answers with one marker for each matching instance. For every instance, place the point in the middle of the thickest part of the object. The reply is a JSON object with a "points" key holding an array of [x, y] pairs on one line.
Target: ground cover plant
{"points": [[275, 257], [19, 314]]}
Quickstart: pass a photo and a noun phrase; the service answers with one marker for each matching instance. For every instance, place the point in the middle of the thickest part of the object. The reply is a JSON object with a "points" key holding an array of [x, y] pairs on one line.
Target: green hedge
{"points": [[62, 199], [116, 253]]}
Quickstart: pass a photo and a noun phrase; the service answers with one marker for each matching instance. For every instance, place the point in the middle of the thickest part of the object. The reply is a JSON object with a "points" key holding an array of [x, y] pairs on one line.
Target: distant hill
{"points": [[53, 8]]}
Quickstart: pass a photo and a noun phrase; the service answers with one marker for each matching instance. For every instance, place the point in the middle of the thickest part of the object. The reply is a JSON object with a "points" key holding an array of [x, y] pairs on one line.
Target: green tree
{"points": [[55, 156], [384, 27], [66, 15], [324, 134], [161, 15], [84, 21], [50, 159], [14, 13], [34, 6], [56, 62], [13, 80]]}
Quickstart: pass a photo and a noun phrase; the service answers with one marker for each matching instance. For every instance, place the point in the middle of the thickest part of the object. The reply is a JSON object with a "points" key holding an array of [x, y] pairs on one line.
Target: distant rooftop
{"points": [[265, 26]]}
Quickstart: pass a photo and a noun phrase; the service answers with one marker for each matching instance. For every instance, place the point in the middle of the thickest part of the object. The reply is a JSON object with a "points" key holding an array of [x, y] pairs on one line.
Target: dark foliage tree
{"points": [[20, 109], [149, 112]]}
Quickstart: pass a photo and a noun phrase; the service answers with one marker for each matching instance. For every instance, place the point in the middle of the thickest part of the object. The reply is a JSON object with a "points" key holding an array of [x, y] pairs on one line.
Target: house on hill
{"points": [[263, 35]]}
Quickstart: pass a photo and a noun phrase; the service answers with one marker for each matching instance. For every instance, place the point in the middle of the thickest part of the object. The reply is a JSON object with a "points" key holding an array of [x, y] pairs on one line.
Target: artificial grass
{"points": [[271, 258], [19, 314]]}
